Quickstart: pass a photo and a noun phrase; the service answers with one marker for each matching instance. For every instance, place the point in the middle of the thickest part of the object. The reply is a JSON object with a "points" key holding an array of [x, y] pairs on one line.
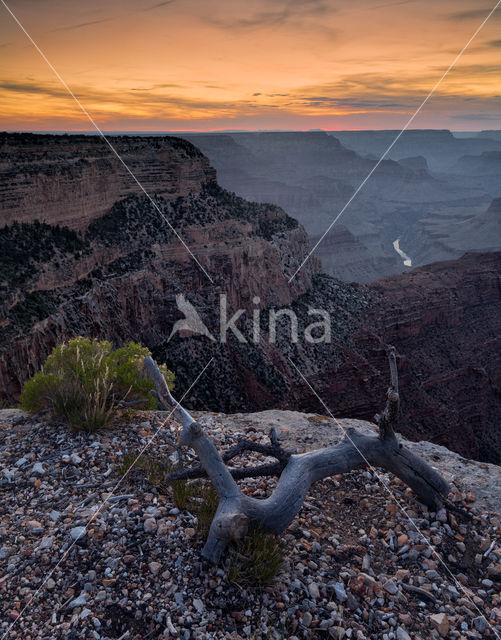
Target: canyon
{"points": [[431, 190], [115, 273], [72, 179]]}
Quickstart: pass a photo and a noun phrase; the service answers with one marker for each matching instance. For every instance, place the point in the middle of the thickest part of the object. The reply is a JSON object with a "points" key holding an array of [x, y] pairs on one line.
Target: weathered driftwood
{"points": [[298, 471]]}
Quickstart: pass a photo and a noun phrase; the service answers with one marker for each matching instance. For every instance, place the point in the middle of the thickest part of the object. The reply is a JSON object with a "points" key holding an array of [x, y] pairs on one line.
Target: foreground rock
{"points": [[356, 566]]}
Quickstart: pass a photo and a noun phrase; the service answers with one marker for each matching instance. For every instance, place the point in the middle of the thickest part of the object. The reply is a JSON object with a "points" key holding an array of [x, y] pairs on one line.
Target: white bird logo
{"points": [[191, 322]]}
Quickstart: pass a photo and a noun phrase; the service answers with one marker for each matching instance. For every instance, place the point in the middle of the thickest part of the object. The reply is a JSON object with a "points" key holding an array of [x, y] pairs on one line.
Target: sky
{"points": [[199, 65]]}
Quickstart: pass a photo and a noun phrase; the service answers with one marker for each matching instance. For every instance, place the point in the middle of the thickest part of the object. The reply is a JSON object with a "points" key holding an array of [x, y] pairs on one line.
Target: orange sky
{"points": [[249, 64]]}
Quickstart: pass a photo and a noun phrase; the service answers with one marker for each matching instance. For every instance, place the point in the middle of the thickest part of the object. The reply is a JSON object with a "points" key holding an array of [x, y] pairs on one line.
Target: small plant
{"points": [[87, 382], [207, 506], [181, 491], [255, 559], [152, 468], [155, 471]]}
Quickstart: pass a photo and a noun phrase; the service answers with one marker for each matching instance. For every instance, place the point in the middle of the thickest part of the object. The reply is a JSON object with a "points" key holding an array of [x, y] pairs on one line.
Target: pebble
{"points": [[155, 567], [442, 515], [77, 532], [78, 602], [480, 624], [344, 576], [199, 605], [340, 591], [150, 525], [307, 619], [390, 587], [440, 622]]}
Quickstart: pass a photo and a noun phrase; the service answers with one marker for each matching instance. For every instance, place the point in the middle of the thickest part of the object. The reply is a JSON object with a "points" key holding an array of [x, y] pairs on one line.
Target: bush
{"points": [[255, 559], [207, 507], [85, 381], [198, 495]]}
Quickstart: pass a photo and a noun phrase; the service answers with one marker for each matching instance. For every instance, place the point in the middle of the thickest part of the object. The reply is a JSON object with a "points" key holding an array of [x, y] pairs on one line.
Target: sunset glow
{"points": [[249, 64]]}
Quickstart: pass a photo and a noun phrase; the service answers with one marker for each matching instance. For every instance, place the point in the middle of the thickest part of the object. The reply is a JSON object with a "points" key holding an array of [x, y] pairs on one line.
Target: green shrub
{"points": [[181, 491], [208, 501], [85, 381], [255, 559], [155, 471]]}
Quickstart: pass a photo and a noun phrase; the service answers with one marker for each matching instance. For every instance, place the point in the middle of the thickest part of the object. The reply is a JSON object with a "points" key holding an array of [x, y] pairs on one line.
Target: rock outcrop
{"points": [[119, 279], [446, 320], [71, 180]]}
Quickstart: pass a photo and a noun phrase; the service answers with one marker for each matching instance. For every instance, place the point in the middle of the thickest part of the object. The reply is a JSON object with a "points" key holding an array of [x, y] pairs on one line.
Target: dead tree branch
{"points": [[298, 471]]}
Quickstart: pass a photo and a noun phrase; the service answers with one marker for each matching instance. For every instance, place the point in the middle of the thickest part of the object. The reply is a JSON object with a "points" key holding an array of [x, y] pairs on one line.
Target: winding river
{"points": [[407, 261]]}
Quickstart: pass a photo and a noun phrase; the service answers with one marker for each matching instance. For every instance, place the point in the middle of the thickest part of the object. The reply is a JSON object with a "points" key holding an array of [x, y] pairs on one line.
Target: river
{"points": [[407, 261]]}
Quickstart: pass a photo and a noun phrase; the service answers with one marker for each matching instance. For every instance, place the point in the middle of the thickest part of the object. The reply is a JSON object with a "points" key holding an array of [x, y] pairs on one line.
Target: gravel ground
{"points": [[355, 565]]}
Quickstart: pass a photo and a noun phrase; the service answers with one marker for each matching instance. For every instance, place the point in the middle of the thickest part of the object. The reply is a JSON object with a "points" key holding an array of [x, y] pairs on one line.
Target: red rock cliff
{"points": [[72, 179]]}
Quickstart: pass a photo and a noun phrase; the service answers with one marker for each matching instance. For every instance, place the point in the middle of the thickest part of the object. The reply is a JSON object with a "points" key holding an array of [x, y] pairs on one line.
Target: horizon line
{"points": [[205, 131]]}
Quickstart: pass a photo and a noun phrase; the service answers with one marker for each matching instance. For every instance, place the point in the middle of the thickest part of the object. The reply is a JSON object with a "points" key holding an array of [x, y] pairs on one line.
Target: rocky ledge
{"points": [[71, 180], [86, 554]]}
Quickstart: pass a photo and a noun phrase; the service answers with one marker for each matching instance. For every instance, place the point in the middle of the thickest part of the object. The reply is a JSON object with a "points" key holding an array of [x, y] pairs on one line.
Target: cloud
{"points": [[494, 43], [147, 100], [366, 85], [158, 5], [279, 13], [31, 87], [392, 4], [477, 116], [70, 27], [473, 69], [353, 103], [473, 14]]}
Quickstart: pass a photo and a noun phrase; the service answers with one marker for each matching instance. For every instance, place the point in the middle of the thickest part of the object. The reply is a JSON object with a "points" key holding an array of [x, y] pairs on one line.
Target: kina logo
{"points": [[192, 322]]}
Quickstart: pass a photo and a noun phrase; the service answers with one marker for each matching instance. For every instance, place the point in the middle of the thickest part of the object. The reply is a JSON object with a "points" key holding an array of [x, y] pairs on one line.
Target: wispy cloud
{"points": [[158, 5], [34, 88], [354, 103], [149, 101], [272, 14], [80, 25], [494, 43], [392, 4], [477, 116], [473, 14]]}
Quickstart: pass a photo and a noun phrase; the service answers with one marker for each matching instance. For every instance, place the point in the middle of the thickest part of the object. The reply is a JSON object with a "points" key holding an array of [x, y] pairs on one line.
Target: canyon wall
{"points": [[315, 175], [445, 319], [72, 179]]}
